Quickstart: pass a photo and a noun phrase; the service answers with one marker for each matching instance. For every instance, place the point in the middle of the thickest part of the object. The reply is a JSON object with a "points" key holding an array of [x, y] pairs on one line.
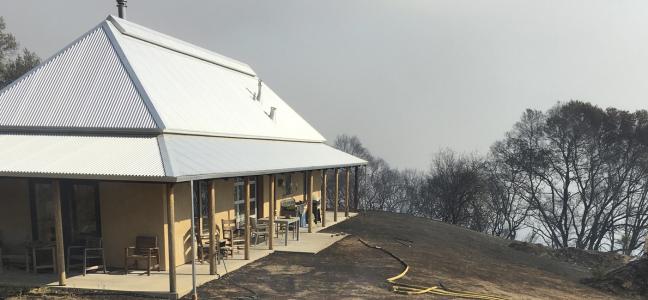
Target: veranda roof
{"points": [[165, 158]]}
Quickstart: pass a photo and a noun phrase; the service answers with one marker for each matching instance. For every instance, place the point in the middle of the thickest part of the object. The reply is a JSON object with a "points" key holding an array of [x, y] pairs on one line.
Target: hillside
{"points": [[458, 258]]}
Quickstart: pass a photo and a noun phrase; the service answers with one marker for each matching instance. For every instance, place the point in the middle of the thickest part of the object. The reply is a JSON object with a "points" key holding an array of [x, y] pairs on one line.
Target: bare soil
{"points": [[45, 293], [456, 257], [595, 261], [630, 280]]}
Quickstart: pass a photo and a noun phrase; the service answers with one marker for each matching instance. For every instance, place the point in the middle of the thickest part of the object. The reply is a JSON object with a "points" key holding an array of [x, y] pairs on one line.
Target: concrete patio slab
{"points": [[138, 282]]}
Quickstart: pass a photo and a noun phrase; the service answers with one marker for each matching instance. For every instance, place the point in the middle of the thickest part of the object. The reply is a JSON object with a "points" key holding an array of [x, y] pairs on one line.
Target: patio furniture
{"points": [[232, 240], [257, 229], [9, 257], [92, 250], [146, 247], [203, 246], [287, 223], [37, 249]]}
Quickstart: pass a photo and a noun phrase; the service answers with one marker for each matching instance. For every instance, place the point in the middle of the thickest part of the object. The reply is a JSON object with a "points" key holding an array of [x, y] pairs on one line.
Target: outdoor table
{"points": [[287, 222]]}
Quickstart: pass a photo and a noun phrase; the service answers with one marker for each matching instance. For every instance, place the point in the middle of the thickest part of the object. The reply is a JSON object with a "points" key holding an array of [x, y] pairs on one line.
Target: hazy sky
{"points": [[407, 77]]}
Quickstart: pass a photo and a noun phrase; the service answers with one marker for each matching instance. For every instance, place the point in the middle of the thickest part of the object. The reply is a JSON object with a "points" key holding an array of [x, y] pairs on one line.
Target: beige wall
{"points": [[183, 223], [224, 200], [225, 197], [132, 209], [127, 211], [266, 195], [298, 187], [15, 213]]}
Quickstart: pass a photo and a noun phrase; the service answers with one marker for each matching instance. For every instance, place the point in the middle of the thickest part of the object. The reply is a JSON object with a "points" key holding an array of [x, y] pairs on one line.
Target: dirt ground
{"points": [[459, 258]]}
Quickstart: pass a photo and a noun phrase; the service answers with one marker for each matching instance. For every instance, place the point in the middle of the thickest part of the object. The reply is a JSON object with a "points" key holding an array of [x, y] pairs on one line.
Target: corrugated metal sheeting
{"points": [[80, 156], [121, 75], [214, 157], [197, 96], [141, 32], [83, 86], [135, 81], [168, 157]]}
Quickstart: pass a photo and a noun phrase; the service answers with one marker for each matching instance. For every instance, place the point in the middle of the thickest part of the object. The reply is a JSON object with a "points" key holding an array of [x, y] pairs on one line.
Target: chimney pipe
{"points": [[121, 8]]}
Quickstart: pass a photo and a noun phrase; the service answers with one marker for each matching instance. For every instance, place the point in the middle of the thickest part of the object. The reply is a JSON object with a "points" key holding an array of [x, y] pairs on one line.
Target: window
{"points": [[79, 210], [239, 201], [84, 211], [288, 185], [201, 194], [42, 212]]}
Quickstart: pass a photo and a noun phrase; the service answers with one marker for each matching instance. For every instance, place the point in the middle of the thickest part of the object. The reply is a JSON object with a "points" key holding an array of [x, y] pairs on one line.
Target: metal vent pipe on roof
{"points": [[121, 8], [272, 113], [258, 94]]}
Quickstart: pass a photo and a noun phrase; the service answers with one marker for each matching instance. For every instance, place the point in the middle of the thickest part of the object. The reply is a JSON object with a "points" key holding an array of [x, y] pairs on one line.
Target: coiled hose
{"points": [[410, 289]]}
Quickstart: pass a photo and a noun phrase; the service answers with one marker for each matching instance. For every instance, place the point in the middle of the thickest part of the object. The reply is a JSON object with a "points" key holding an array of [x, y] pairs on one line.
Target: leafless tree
{"points": [[505, 200], [581, 170], [453, 190], [575, 176]]}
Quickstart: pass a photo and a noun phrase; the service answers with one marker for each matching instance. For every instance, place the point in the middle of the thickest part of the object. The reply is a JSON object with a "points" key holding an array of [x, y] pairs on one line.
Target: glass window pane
{"points": [[84, 211], [44, 209]]}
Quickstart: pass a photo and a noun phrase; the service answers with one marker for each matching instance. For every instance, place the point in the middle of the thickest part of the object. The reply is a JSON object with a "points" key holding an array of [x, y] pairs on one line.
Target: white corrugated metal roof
{"points": [[165, 158], [215, 100], [83, 86], [196, 157], [121, 75], [193, 94], [136, 81], [152, 36], [80, 156]]}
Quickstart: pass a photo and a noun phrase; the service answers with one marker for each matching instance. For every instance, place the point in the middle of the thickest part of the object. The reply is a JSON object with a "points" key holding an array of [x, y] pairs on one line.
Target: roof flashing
{"points": [[148, 35]]}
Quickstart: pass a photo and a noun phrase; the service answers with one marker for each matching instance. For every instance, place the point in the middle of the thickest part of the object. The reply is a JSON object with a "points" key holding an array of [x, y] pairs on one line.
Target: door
{"points": [[79, 207], [201, 205], [239, 201], [81, 214]]}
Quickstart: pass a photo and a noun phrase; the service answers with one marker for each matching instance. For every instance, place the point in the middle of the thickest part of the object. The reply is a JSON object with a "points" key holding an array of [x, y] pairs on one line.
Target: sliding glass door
{"points": [[81, 211], [79, 207], [239, 201]]}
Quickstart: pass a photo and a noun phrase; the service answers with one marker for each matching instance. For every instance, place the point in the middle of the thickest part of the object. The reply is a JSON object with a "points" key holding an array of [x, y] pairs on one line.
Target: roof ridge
{"points": [[157, 38], [106, 26]]}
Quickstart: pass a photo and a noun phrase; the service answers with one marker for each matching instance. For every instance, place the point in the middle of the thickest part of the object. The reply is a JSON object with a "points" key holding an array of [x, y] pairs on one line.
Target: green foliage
{"points": [[12, 63]]}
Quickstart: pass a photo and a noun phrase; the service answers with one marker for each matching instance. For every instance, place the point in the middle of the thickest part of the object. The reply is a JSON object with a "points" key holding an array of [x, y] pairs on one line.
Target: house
{"points": [[113, 135]]}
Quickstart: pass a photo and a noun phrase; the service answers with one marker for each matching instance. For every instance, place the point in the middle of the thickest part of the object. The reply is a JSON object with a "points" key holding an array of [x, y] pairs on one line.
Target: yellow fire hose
{"points": [[409, 289]]}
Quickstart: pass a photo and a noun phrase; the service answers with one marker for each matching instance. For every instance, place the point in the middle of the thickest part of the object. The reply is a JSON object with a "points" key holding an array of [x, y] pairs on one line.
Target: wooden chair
{"points": [[13, 255], [232, 240], [146, 247], [258, 230], [92, 250], [40, 251], [203, 246]]}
